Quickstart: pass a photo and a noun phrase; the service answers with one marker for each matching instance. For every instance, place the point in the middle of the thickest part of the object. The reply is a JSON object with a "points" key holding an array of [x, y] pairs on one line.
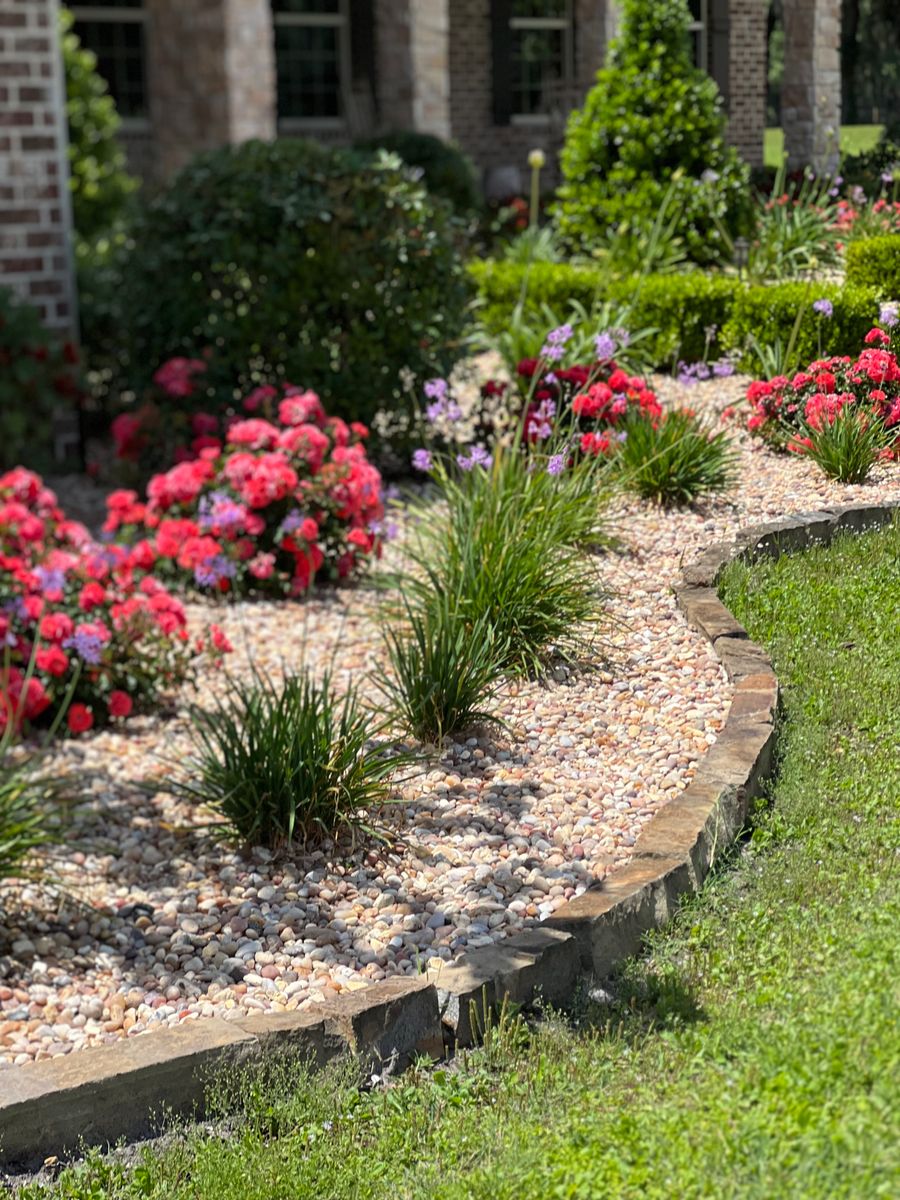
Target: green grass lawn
{"points": [[854, 139], [753, 1052]]}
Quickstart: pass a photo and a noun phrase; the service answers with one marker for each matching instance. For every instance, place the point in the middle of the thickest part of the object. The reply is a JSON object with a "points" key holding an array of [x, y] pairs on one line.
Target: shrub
{"points": [[767, 314], [292, 261], [652, 121], [444, 670], [676, 459], [102, 631], [511, 550], [783, 410], [844, 445], [875, 263], [678, 308], [271, 506], [98, 179], [288, 764], [446, 171], [38, 376], [796, 230]]}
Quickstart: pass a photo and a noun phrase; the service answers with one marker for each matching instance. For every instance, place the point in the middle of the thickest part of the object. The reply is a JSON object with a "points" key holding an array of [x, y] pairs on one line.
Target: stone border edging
{"points": [[104, 1094]]}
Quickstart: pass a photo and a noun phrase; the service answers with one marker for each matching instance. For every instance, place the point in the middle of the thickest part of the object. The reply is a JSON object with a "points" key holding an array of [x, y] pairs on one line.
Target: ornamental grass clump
{"points": [[29, 811], [289, 763], [844, 445], [444, 670], [676, 459]]}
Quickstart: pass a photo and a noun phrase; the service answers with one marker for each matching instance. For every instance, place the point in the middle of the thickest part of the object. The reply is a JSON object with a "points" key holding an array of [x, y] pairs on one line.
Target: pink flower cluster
{"points": [[272, 506], [783, 409], [81, 623]]}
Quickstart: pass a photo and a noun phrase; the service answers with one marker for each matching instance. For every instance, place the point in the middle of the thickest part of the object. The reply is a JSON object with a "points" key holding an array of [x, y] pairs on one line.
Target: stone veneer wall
{"points": [[211, 76], [811, 92], [35, 220]]}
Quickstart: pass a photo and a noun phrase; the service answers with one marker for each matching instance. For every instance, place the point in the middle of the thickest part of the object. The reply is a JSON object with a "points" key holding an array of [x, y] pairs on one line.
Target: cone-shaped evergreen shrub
{"points": [[651, 118]]}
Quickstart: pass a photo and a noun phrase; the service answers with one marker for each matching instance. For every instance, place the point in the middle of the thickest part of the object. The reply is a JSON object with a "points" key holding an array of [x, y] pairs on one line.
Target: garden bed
{"points": [[159, 924]]}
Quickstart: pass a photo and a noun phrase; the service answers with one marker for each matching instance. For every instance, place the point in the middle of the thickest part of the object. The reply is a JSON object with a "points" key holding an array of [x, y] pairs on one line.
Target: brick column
{"points": [[747, 37], [35, 208], [413, 49], [211, 68], [811, 92]]}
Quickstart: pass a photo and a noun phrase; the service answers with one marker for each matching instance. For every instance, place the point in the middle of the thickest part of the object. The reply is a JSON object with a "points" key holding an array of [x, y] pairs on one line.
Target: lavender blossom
{"points": [[212, 571], [422, 460], [477, 457], [556, 464], [604, 346], [88, 646], [889, 314], [823, 307]]}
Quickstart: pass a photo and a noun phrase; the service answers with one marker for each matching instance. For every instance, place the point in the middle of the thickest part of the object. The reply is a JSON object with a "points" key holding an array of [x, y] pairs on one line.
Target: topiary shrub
{"points": [[652, 122], [293, 262], [38, 376], [98, 179], [446, 170], [875, 263]]}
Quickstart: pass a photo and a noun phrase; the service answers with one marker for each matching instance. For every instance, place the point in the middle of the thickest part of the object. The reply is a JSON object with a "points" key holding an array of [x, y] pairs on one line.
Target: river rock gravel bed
{"points": [[153, 921]]}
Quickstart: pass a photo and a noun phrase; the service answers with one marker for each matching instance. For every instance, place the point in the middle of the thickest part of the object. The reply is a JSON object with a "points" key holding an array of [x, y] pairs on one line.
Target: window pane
{"points": [[539, 8], [119, 47], [307, 59], [107, 4], [697, 7], [307, 6], [538, 59]]}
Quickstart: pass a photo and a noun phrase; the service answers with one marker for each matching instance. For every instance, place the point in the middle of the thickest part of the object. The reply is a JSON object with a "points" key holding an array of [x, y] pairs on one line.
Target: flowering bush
{"points": [[82, 624], [784, 410], [271, 503], [857, 218]]}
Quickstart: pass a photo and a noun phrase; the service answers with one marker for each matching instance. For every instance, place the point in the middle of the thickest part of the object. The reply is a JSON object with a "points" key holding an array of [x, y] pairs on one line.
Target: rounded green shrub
{"points": [[290, 261], [651, 136], [446, 171], [98, 179]]}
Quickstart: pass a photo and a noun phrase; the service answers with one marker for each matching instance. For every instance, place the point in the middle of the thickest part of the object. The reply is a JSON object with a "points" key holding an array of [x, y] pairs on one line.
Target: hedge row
{"points": [[683, 307], [875, 262]]}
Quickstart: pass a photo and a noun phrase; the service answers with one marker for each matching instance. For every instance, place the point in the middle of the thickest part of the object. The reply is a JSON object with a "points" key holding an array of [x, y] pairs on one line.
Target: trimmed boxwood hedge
{"points": [[875, 262], [683, 307]]}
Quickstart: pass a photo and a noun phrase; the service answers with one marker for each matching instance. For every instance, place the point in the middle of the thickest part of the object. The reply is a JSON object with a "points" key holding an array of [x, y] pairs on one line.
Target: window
{"points": [[311, 59], [699, 31], [541, 53], [114, 30]]}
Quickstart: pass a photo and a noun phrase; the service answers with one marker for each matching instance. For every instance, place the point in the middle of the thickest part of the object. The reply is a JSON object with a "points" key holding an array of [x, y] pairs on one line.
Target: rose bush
{"points": [[783, 410], [265, 502], [81, 623]]}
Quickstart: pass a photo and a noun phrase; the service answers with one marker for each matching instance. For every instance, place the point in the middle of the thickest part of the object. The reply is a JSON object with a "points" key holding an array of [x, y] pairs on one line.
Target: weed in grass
{"points": [[289, 763], [677, 460]]}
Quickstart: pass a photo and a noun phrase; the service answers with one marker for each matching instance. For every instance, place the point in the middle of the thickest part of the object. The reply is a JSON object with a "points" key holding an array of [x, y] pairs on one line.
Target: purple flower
{"points": [[552, 353], [623, 337], [823, 307], [556, 465], [436, 389], [889, 314], [723, 368], [477, 457], [87, 646], [605, 346], [887, 177], [292, 521], [53, 579], [220, 510], [212, 571], [422, 460], [553, 348]]}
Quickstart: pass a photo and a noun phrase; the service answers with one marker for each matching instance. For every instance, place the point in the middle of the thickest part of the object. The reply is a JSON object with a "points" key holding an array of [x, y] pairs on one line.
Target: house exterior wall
{"points": [[811, 91], [35, 211], [747, 38]]}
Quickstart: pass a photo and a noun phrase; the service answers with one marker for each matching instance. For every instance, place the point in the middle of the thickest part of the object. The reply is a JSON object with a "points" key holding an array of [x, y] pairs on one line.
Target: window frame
{"points": [[119, 14], [339, 20], [701, 25], [566, 23]]}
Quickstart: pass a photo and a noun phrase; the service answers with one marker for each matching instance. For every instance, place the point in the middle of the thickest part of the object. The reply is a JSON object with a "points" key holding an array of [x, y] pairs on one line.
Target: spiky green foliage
{"points": [[677, 460], [847, 447]]}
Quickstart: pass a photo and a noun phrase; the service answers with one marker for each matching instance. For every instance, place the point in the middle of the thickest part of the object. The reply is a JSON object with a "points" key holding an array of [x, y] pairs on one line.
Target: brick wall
{"points": [[747, 37], [35, 223], [811, 92], [495, 146]]}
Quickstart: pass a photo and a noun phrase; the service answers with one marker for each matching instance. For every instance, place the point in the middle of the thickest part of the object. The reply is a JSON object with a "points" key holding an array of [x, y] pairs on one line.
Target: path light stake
{"points": [[536, 160]]}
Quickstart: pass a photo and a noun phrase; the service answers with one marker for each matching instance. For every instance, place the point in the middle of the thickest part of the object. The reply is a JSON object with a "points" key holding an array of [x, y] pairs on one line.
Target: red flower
{"points": [[79, 718], [120, 704]]}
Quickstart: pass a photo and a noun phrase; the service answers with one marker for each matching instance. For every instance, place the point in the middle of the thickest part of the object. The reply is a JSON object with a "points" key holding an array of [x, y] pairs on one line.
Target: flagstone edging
{"points": [[124, 1091]]}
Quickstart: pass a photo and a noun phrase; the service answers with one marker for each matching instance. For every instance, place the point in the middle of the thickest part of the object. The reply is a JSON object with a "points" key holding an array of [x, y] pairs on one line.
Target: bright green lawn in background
{"points": [[854, 140], [753, 1053]]}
